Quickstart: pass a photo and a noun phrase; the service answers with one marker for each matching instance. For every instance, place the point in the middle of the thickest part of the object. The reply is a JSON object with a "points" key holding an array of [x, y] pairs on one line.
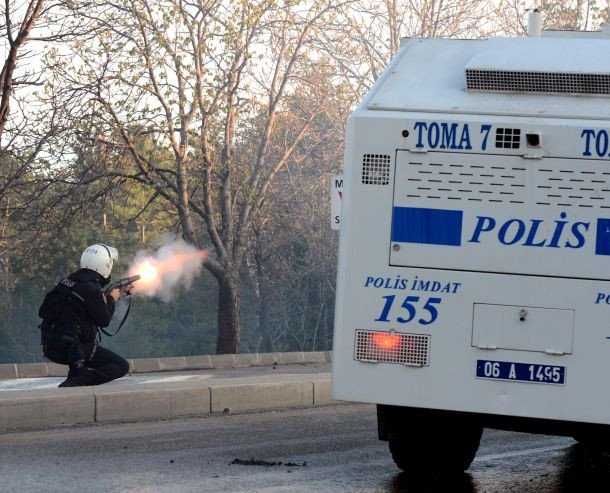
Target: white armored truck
{"points": [[474, 256]]}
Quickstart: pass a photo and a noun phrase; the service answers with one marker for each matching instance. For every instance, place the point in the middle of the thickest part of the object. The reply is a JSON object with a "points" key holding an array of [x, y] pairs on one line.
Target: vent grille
{"points": [[537, 82], [392, 347], [562, 183], [566, 187], [466, 181], [376, 169], [508, 138]]}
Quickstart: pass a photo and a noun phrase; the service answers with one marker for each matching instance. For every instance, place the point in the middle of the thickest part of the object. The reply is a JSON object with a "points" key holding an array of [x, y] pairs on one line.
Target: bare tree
{"points": [[368, 34], [292, 264], [202, 79], [27, 29], [31, 117], [511, 15], [16, 36]]}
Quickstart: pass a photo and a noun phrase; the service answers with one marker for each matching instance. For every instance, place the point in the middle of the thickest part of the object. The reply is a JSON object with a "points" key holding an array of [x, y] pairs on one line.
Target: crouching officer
{"points": [[73, 313]]}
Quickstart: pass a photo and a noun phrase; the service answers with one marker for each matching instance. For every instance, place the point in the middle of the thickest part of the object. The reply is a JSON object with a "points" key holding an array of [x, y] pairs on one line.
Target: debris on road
{"points": [[258, 462]]}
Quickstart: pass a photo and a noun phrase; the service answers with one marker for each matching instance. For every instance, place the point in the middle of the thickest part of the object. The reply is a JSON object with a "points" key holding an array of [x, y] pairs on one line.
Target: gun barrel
{"points": [[124, 281]]}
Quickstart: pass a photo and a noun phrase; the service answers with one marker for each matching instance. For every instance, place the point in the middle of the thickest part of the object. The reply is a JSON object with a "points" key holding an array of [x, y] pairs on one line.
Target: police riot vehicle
{"points": [[473, 283]]}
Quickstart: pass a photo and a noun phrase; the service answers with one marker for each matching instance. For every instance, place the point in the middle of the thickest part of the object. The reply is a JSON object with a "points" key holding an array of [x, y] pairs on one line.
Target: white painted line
{"points": [[51, 382], [177, 378], [30, 383], [517, 453]]}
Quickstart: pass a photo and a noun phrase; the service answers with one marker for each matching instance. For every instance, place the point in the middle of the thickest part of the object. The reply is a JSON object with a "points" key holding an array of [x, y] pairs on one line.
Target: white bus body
{"points": [[474, 253]]}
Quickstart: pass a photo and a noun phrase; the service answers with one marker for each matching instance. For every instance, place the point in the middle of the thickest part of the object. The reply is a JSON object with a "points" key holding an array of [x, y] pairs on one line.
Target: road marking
{"points": [[50, 382], [517, 453], [30, 383], [177, 378]]}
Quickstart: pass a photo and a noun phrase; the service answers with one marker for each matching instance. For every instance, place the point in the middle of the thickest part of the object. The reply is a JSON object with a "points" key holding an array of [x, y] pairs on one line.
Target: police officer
{"points": [[73, 313]]}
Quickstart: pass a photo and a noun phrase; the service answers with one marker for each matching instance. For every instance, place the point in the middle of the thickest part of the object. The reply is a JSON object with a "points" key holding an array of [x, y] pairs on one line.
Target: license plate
{"points": [[521, 372]]}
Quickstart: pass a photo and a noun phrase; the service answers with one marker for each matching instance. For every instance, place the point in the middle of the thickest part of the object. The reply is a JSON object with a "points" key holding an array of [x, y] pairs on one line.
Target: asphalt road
{"points": [[331, 449]]}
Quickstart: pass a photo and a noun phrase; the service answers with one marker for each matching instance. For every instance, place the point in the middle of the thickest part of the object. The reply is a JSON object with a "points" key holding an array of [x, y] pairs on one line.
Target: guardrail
{"points": [[175, 363]]}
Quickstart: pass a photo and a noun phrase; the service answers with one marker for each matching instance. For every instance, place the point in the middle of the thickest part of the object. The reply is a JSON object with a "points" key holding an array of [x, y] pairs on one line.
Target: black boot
{"points": [[73, 371], [84, 377]]}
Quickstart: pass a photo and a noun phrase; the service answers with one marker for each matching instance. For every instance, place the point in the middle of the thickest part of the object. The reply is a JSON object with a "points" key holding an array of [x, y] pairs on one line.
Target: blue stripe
{"points": [[602, 241], [427, 226]]}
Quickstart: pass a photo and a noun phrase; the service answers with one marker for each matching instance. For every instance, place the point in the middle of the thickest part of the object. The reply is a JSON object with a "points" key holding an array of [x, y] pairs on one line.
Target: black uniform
{"points": [[71, 339]]}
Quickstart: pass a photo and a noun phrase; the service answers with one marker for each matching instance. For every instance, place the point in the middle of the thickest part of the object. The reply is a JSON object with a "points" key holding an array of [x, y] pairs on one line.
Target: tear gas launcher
{"points": [[123, 283]]}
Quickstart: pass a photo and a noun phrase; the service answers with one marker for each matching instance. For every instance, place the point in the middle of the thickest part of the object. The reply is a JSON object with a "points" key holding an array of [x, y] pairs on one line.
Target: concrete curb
{"points": [[177, 363], [43, 408], [8, 372]]}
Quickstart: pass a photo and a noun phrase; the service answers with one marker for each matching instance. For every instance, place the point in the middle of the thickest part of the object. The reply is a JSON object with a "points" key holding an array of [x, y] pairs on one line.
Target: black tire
{"points": [[437, 449], [589, 440]]}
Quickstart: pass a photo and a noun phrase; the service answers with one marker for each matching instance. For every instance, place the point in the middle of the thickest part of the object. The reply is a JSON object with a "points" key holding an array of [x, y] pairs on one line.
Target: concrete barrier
{"points": [[198, 362], [151, 404], [144, 365], [52, 407], [141, 404], [8, 371], [267, 359], [32, 370], [36, 408], [46, 411], [290, 358], [172, 364], [189, 402], [246, 360], [321, 393], [220, 361], [176, 363], [21, 413], [261, 396], [55, 370], [68, 409]]}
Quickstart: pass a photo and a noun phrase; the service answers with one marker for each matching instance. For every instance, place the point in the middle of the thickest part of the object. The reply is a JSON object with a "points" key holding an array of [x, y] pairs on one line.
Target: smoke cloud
{"points": [[170, 266]]}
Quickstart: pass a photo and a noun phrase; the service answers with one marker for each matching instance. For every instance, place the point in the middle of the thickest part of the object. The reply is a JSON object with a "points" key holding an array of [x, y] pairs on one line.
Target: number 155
{"points": [[409, 310]]}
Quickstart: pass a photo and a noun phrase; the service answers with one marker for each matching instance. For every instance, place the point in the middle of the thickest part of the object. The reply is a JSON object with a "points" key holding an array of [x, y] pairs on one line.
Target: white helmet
{"points": [[99, 257]]}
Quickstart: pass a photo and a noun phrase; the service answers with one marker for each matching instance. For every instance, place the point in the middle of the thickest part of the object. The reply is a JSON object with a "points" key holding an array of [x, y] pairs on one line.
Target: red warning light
{"points": [[386, 341], [392, 347]]}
